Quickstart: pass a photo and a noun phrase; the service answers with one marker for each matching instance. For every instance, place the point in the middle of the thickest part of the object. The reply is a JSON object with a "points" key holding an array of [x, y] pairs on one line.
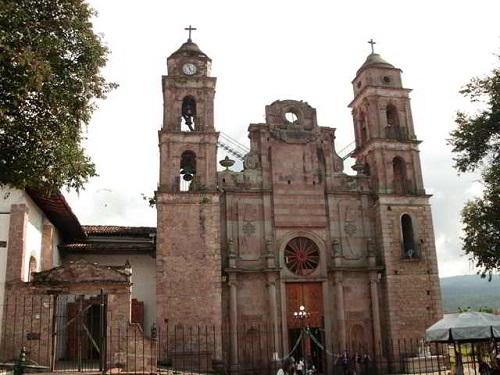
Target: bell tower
{"points": [[387, 152], [188, 256]]}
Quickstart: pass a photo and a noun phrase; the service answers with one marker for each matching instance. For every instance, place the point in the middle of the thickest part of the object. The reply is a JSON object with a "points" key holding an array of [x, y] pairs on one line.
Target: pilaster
{"points": [[17, 242]]}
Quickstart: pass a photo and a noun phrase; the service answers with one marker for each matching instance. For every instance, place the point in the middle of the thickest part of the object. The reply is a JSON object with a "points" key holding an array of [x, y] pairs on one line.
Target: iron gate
{"points": [[79, 333]]}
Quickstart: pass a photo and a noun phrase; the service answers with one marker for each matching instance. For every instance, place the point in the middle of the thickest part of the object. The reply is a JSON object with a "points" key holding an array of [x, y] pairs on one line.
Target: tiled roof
{"points": [[113, 230], [58, 211], [81, 272], [108, 248]]}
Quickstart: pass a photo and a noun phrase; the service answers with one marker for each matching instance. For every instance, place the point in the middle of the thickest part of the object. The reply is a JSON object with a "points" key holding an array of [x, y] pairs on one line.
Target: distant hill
{"points": [[470, 290]]}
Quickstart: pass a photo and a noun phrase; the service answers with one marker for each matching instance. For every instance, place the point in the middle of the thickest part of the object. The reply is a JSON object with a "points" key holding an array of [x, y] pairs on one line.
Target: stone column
{"points": [[339, 302], [47, 234], [371, 256], [377, 336], [336, 254], [273, 308], [233, 319]]}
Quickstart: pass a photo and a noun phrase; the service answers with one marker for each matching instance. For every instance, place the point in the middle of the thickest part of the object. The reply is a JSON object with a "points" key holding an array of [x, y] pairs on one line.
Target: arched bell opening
{"points": [[188, 114], [392, 115], [393, 128], [187, 172], [362, 129], [408, 244]]}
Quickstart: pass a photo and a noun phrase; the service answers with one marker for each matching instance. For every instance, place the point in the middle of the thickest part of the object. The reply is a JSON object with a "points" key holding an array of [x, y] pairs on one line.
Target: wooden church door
{"points": [[309, 295]]}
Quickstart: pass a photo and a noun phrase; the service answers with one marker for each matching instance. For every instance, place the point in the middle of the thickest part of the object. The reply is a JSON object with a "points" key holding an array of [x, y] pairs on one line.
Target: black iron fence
{"points": [[78, 333]]}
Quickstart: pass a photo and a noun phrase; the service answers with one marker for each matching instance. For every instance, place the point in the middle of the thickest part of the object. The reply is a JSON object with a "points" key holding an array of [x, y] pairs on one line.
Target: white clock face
{"points": [[189, 69]]}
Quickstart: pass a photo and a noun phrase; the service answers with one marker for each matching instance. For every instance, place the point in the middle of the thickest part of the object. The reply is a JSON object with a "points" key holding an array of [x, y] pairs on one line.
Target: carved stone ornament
{"points": [[336, 248], [251, 161], [230, 246], [294, 134], [350, 228], [248, 229], [371, 247]]}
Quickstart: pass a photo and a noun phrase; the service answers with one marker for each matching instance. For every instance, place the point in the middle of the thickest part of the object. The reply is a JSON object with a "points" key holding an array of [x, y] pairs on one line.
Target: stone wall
{"points": [[29, 322]]}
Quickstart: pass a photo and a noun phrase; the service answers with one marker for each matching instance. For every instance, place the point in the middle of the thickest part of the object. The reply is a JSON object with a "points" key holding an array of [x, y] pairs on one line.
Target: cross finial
{"points": [[372, 42], [190, 28]]}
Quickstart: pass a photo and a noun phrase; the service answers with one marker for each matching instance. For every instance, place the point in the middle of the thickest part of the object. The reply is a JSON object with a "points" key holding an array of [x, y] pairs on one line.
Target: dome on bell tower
{"points": [[189, 60], [374, 60], [190, 49], [376, 72]]}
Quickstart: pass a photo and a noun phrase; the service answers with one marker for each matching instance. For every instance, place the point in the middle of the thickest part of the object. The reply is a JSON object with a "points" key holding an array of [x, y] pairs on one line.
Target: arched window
{"points": [[408, 245], [187, 171], [301, 256], [392, 115], [188, 113], [358, 340], [399, 176], [393, 129], [32, 267]]}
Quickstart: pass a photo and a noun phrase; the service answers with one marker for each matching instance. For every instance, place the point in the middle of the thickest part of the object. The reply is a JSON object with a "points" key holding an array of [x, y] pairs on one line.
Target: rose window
{"points": [[301, 256]]}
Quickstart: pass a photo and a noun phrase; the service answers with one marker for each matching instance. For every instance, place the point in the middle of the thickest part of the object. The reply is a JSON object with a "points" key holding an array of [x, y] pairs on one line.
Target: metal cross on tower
{"points": [[371, 41], [190, 29]]}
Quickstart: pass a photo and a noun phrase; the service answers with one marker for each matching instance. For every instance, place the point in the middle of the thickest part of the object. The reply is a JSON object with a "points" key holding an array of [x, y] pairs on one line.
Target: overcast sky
{"points": [[263, 51]]}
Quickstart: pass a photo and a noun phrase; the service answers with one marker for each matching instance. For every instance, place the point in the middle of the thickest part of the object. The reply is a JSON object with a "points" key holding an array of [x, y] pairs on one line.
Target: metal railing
{"points": [[77, 334]]}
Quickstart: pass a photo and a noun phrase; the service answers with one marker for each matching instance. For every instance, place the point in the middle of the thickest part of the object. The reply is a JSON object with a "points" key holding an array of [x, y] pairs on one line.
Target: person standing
{"points": [[344, 360], [286, 367], [300, 367], [484, 368]]}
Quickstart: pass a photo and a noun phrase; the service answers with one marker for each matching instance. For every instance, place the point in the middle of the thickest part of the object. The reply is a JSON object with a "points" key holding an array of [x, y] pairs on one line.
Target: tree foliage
{"points": [[484, 309], [50, 78], [476, 144]]}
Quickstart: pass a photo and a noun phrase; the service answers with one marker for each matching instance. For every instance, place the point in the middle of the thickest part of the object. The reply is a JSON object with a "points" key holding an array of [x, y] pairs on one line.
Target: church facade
{"points": [[243, 252], [292, 229]]}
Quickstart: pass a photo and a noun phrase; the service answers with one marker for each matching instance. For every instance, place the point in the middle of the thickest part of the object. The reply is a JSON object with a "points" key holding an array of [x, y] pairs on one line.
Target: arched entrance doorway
{"points": [[309, 295]]}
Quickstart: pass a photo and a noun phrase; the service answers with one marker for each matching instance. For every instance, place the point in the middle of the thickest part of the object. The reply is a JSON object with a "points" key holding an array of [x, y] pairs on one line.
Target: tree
{"points": [[50, 78], [484, 309], [476, 144]]}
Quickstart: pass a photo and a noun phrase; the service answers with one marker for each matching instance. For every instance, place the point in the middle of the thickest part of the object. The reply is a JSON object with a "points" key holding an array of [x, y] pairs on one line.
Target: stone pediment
{"points": [[82, 271], [292, 121], [291, 115]]}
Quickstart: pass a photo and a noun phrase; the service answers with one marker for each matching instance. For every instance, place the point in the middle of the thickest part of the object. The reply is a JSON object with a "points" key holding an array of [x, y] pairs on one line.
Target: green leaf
{"points": [[50, 78]]}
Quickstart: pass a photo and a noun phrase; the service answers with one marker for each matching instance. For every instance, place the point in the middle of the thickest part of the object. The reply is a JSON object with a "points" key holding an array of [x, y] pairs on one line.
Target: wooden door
{"points": [[310, 296]]}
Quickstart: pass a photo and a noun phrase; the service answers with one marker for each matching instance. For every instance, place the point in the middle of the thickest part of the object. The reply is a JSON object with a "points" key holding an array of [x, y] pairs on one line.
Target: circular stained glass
{"points": [[301, 256]]}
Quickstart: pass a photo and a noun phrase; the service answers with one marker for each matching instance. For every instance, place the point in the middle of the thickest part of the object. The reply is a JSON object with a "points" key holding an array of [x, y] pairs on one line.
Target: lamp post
{"points": [[302, 314]]}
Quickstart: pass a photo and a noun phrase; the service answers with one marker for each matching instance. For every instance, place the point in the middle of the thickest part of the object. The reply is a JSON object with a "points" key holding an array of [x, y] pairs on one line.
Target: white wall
{"points": [[33, 244]]}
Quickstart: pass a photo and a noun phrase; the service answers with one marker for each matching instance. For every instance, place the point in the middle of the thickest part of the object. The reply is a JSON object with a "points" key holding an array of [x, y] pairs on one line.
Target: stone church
{"points": [[239, 251], [291, 229]]}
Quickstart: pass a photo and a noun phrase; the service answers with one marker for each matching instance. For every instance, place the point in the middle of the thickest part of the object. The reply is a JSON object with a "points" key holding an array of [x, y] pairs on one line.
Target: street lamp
{"points": [[302, 314]]}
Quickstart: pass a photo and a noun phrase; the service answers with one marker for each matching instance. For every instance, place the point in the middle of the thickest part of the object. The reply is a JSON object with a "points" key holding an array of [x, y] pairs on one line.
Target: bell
{"points": [[187, 170]]}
